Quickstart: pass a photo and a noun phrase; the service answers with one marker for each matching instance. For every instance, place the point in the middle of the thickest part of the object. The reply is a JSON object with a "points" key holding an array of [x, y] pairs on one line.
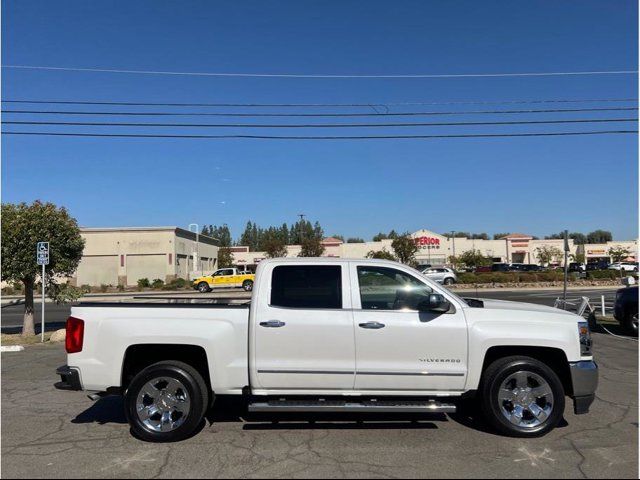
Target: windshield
{"points": [[450, 292]]}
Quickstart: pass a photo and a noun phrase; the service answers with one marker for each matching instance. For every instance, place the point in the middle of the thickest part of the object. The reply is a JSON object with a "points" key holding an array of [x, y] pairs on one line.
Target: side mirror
{"points": [[435, 303]]}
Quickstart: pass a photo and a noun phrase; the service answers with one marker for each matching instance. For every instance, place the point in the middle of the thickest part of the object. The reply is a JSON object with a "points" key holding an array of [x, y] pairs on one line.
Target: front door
{"points": [[303, 336], [400, 349]]}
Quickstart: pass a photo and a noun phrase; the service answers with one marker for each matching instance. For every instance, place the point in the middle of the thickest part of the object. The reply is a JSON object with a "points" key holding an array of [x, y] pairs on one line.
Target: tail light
{"points": [[75, 335]]}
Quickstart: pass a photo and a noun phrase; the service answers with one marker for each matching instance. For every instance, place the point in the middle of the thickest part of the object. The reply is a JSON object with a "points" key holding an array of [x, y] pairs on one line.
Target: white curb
{"points": [[12, 348]]}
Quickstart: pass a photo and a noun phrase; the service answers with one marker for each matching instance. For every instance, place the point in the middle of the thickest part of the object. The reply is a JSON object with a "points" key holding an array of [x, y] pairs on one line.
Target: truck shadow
{"points": [[229, 410]]}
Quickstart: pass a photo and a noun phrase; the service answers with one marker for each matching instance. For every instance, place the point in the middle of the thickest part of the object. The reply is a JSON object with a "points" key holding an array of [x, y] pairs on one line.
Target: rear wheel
{"points": [[247, 285], [166, 402], [203, 287], [522, 397], [449, 281], [630, 323]]}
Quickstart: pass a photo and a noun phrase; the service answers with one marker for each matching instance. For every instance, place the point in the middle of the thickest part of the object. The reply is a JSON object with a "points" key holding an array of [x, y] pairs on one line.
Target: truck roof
{"points": [[327, 260]]}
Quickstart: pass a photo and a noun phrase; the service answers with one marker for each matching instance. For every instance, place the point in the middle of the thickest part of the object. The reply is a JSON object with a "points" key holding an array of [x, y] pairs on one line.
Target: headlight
{"points": [[585, 339]]}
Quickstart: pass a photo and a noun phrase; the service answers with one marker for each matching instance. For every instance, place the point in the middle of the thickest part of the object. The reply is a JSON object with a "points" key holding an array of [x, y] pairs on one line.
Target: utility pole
{"points": [[566, 267], [453, 240], [301, 215]]}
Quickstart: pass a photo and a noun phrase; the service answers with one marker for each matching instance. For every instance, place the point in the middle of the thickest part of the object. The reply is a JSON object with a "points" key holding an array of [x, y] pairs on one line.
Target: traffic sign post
{"points": [[42, 254]]}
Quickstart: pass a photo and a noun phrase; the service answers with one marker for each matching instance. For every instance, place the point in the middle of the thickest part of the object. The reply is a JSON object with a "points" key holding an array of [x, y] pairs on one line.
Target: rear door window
{"points": [[307, 286]]}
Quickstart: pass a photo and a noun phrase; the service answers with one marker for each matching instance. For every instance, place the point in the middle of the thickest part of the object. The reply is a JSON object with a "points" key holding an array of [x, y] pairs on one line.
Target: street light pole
{"points": [[197, 252], [301, 215]]}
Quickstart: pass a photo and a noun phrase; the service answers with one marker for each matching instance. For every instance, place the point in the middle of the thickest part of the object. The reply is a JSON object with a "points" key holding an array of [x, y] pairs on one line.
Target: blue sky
{"points": [[537, 185]]}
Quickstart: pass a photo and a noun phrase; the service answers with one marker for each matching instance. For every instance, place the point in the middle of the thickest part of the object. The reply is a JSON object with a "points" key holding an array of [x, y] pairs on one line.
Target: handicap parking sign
{"points": [[42, 252]]}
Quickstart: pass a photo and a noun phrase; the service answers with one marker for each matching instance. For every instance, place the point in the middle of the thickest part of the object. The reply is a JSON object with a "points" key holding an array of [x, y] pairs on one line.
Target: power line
{"points": [[288, 137], [371, 104], [326, 76], [319, 125], [317, 115]]}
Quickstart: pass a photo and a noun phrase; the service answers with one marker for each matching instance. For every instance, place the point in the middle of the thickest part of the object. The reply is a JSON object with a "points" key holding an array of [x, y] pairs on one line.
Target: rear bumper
{"points": [[69, 379], [584, 379]]}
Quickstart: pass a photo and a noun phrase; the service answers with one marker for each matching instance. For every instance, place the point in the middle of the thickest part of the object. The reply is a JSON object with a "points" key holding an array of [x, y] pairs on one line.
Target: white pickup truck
{"points": [[333, 335]]}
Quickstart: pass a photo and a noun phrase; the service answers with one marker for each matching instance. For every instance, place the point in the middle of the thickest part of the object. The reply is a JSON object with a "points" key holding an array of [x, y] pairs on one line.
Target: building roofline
{"points": [[181, 232]]}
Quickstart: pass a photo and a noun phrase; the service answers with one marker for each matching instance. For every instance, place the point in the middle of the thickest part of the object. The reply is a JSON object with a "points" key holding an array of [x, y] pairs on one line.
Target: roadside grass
{"points": [[9, 339]]}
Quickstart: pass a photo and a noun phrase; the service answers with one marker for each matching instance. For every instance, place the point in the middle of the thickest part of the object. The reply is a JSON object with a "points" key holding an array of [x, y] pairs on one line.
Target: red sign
{"points": [[427, 241]]}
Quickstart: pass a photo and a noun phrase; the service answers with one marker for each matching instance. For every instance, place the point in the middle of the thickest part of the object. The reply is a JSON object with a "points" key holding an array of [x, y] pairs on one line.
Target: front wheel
{"points": [[203, 287], [247, 285], [522, 397], [166, 402], [449, 281]]}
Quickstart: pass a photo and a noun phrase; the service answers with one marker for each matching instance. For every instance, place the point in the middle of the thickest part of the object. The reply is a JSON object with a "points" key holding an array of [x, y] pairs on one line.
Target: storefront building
{"points": [[122, 256], [435, 249]]}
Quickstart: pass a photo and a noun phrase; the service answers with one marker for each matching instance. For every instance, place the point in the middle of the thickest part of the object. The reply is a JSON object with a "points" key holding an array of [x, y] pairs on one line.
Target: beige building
{"points": [[435, 249], [122, 256]]}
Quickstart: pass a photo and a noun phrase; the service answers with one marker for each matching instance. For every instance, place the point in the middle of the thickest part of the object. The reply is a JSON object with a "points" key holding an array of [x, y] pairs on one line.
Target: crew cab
{"points": [[225, 278], [333, 335]]}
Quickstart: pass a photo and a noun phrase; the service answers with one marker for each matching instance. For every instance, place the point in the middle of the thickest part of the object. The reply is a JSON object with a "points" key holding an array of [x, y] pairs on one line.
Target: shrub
{"points": [[8, 290], [176, 284], [85, 288], [104, 288], [603, 274], [144, 283], [64, 293], [157, 283], [120, 287]]}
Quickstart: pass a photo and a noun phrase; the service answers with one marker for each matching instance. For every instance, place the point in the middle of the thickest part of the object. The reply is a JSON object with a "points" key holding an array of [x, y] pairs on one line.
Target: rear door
{"points": [[303, 335]]}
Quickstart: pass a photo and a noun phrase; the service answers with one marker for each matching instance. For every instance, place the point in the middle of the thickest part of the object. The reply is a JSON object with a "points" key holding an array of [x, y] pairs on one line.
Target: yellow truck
{"points": [[225, 278]]}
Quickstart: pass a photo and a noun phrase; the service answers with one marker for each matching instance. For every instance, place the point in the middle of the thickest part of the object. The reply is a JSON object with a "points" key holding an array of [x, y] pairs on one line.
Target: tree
{"points": [[383, 254], [473, 259], [225, 257], [311, 247], [22, 227], [339, 237], [619, 254], [274, 247], [405, 249], [355, 240], [599, 236], [222, 233], [578, 257], [501, 236], [546, 254]]}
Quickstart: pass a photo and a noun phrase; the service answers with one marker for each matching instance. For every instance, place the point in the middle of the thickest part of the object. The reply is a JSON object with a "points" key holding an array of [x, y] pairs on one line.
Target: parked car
{"points": [[484, 268], [626, 266], [531, 267], [500, 267], [625, 309], [443, 275], [333, 335], [577, 267], [600, 265], [225, 278]]}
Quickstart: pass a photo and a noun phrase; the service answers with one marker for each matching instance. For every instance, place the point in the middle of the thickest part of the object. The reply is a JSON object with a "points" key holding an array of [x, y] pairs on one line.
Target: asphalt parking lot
{"points": [[48, 433]]}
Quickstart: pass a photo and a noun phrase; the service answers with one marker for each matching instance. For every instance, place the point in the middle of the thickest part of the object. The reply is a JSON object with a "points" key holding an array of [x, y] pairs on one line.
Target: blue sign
{"points": [[42, 253]]}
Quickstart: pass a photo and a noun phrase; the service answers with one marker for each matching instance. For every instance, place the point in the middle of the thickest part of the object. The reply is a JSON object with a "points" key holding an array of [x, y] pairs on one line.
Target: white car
{"points": [[442, 275], [626, 266], [332, 335]]}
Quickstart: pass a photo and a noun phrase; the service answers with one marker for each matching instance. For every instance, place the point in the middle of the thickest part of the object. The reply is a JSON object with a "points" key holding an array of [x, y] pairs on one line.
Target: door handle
{"points": [[372, 325], [272, 324]]}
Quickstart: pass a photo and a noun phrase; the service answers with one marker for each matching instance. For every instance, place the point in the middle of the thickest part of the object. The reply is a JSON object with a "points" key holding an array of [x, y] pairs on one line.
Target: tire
{"points": [[185, 398], [247, 285], [203, 287], [449, 281], [630, 323], [505, 413]]}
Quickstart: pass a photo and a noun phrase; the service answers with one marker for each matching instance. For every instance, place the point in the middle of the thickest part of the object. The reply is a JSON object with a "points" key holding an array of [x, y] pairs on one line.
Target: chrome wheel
{"points": [[525, 399], [634, 321], [203, 287], [163, 404]]}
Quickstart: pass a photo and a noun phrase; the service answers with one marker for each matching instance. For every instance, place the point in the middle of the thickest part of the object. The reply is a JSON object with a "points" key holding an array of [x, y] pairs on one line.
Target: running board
{"points": [[383, 406]]}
